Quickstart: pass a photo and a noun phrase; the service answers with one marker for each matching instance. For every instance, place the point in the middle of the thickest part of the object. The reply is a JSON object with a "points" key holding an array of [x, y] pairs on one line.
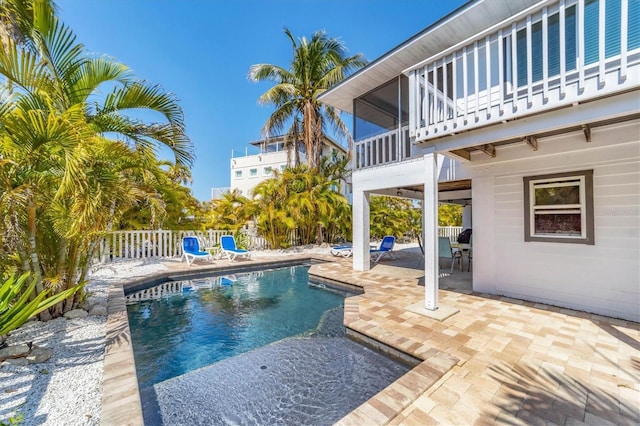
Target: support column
{"points": [[430, 226], [361, 227], [466, 217]]}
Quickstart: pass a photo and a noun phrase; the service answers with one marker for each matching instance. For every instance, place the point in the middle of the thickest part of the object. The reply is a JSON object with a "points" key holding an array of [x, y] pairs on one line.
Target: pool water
{"points": [[179, 327]]}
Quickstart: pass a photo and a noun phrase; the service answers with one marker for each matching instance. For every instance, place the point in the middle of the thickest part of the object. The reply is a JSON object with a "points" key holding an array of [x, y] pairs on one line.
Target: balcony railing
{"points": [[544, 58], [389, 147]]}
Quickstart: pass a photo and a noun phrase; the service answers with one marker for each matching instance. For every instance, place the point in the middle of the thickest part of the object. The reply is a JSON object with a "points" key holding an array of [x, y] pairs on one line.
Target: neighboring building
{"points": [[530, 111], [248, 171], [218, 193]]}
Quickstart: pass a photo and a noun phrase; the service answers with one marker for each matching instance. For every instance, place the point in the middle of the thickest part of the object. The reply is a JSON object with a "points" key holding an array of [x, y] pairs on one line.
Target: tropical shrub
{"points": [[15, 306], [74, 157], [393, 216]]}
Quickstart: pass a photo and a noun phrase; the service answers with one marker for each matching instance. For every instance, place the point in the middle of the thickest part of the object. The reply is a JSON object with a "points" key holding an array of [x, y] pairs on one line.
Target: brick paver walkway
{"points": [[497, 361]]}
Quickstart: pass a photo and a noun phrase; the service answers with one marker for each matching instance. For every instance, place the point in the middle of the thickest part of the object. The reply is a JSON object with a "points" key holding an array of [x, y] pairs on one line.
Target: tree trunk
{"points": [[33, 255]]}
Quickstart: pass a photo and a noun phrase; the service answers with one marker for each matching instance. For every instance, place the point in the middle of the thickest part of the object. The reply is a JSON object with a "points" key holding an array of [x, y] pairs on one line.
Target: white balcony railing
{"points": [[389, 147], [554, 54]]}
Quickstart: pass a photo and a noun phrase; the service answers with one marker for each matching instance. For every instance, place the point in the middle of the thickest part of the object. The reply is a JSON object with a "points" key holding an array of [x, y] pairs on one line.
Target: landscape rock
{"points": [[16, 362], [76, 313], [39, 355], [15, 351], [98, 310]]}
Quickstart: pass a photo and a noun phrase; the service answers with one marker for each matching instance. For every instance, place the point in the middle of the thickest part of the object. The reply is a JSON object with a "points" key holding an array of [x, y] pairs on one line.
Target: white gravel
{"points": [[67, 389]]}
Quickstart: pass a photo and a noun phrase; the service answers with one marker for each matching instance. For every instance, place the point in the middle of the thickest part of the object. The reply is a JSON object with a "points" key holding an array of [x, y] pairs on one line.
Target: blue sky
{"points": [[202, 50]]}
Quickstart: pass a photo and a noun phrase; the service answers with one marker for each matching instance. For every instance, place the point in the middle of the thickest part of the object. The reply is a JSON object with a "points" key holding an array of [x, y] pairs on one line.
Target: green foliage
{"points": [[230, 213], [15, 306], [317, 64], [393, 216], [16, 419], [75, 159], [450, 215], [302, 200]]}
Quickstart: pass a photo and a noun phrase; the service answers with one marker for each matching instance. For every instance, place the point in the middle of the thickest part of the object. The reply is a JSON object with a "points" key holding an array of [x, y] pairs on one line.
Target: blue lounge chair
{"points": [[385, 247], [191, 250], [229, 248]]}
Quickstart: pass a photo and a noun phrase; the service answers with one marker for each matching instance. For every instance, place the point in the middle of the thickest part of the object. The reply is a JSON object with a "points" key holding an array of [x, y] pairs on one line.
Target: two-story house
{"points": [[249, 170], [530, 110]]}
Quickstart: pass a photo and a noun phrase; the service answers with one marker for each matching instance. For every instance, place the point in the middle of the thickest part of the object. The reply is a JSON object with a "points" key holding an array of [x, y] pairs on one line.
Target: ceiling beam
{"points": [[461, 154], [488, 149], [532, 141], [586, 129]]}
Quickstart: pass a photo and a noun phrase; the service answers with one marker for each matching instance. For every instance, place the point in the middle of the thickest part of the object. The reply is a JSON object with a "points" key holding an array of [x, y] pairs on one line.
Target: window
{"points": [[559, 208], [253, 172], [282, 167], [238, 174], [267, 171]]}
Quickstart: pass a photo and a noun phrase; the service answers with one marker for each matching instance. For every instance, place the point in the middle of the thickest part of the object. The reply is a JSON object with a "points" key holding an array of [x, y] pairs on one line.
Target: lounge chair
{"points": [[229, 248], [342, 251], [385, 247], [191, 250]]}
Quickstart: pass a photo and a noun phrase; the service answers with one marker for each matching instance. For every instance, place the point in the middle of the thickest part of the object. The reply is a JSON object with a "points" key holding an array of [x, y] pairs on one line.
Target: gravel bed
{"points": [[66, 389]]}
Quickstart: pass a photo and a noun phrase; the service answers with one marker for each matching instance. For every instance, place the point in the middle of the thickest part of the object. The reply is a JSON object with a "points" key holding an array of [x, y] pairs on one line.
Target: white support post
{"points": [[580, 60], [487, 60], [476, 81], [529, 63], [361, 227], [430, 227], [514, 66], [465, 84]]}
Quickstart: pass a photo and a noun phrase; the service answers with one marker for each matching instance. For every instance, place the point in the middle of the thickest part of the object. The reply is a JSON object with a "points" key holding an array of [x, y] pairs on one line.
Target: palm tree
{"points": [[72, 161], [317, 64]]}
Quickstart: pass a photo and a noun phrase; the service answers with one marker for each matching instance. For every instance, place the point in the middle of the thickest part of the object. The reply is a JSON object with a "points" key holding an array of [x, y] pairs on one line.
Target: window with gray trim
{"points": [[559, 208]]}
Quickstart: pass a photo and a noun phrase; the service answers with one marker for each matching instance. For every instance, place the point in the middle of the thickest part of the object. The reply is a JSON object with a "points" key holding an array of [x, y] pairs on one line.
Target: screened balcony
{"points": [[561, 54]]}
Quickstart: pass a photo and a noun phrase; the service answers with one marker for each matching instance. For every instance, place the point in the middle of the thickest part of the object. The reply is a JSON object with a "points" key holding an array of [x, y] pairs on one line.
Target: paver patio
{"points": [[516, 362]]}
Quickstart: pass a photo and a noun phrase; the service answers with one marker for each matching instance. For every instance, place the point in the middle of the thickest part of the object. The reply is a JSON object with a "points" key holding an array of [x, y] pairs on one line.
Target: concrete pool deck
{"points": [[496, 361]]}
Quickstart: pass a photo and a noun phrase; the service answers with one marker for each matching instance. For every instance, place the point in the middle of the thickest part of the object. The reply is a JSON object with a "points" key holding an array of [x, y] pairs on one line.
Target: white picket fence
{"points": [[119, 245]]}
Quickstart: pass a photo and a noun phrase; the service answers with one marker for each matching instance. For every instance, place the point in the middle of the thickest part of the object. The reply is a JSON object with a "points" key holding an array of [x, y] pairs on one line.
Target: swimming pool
{"points": [[261, 347], [185, 325]]}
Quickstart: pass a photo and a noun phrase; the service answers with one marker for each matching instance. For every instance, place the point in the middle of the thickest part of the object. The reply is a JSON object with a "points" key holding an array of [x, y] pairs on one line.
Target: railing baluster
{"points": [[563, 62], [465, 84], [454, 84], [445, 101], [487, 56], [581, 50], [501, 81], [476, 80], [545, 54], [624, 29], [601, 33], [529, 63], [514, 67]]}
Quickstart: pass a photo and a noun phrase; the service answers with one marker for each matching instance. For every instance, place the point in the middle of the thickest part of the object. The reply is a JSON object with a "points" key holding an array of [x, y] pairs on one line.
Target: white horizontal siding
{"points": [[603, 278]]}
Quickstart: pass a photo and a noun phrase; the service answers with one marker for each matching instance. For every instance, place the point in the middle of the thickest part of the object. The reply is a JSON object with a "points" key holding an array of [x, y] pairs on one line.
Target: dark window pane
{"points": [[613, 11], [554, 44], [557, 195], [591, 28], [558, 224]]}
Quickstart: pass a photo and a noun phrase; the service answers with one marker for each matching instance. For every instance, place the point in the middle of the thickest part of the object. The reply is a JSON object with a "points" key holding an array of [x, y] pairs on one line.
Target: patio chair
{"points": [[385, 247], [229, 248], [191, 250], [445, 251]]}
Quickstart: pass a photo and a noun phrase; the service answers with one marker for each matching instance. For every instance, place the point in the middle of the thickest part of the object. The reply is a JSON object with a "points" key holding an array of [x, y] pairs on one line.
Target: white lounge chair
{"points": [[191, 250], [342, 251], [229, 248]]}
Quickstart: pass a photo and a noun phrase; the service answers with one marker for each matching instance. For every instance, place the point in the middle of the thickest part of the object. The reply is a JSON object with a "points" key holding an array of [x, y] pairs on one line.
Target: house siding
{"points": [[603, 278]]}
